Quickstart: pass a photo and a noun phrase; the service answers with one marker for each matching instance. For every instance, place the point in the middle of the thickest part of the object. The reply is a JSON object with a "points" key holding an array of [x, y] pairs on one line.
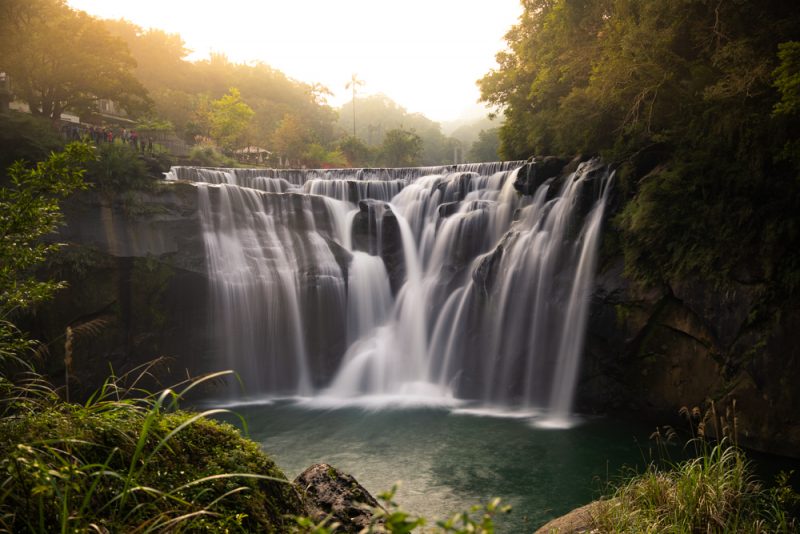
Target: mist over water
{"points": [[423, 286], [423, 325]]}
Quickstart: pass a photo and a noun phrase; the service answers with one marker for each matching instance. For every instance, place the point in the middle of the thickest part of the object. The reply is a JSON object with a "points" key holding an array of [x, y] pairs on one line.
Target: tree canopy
{"points": [[695, 101], [401, 148], [184, 92], [378, 114], [486, 147], [230, 119], [617, 75], [61, 60]]}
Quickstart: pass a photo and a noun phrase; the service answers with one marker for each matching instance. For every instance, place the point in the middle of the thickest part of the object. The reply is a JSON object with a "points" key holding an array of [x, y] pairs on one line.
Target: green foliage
{"points": [[467, 131], [706, 217], [400, 148], [715, 491], [209, 156], [182, 91], [230, 119], [377, 115], [355, 151], [60, 59], [25, 137], [29, 210], [479, 519], [160, 56], [389, 518], [486, 147], [787, 78], [154, 124], [698, 96], [318, 156], [291, 137], [116, 169], [128, 460]]}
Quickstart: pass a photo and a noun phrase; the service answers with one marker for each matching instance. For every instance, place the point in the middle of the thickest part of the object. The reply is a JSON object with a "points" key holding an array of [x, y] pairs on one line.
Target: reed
{"points": [[714, 491]]}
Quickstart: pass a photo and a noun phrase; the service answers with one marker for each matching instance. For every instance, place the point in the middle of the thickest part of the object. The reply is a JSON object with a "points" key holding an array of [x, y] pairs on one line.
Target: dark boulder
{"points": [[328, 492], [532, 175], [448, 208], [377, 232], [364, 231], [392, 251]]}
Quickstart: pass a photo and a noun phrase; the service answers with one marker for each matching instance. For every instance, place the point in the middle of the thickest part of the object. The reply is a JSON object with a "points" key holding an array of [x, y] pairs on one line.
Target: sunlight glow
{"points": [[425, 55]]}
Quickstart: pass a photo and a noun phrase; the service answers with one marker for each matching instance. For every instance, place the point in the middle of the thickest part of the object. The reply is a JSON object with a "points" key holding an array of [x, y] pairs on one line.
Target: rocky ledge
{"points": [[578, 521]]}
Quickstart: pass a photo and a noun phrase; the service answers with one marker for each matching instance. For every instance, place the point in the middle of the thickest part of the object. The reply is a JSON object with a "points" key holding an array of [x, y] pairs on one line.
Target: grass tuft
{"points": [[713, 492], [131, 461]]}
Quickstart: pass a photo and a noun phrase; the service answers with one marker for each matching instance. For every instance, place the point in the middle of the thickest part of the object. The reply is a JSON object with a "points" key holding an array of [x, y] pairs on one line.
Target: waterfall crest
{"points": [[436, 283]]}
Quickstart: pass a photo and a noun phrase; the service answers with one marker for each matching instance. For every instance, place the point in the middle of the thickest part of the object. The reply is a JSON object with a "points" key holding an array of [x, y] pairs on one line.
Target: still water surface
{"points": [[448, 460]]}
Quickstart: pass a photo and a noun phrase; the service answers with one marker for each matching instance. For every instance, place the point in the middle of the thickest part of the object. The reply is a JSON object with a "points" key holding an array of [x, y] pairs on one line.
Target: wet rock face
{"points": [[448, 208], [377, 232], [328, 492], [139, 262], [392, 251], [158, 224], [532, 175], [146, 308], [652, 350]]}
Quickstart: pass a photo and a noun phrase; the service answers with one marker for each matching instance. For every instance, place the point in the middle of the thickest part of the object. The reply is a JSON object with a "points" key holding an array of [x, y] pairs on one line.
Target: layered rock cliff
{"points": [[137, 264]]}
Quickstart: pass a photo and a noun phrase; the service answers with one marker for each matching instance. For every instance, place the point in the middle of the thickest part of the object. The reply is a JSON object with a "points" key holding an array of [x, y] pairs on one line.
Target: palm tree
{"points": [[353, 83]]}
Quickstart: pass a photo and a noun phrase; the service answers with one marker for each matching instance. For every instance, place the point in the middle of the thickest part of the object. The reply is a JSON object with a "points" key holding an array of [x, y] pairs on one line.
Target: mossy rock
{"points": [[52, 455]]}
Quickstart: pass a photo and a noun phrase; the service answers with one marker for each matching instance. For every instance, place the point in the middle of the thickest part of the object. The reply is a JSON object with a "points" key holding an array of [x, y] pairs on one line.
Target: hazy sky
{"points": [[424, 54]]}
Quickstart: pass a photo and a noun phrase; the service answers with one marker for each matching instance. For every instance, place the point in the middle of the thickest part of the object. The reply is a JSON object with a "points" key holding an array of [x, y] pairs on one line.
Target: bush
{"points": [[119, 465], [117, 169], [209, 156], [714, 492], [29, 210], [25, 137]]}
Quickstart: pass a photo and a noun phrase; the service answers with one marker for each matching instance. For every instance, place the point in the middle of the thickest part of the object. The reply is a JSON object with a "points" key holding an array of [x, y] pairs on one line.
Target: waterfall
{"points": [[275, 278], [437, 283]]}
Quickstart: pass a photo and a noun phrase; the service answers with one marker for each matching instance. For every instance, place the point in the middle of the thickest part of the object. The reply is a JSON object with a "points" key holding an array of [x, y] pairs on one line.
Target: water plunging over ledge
{"points": [[437, 285]]}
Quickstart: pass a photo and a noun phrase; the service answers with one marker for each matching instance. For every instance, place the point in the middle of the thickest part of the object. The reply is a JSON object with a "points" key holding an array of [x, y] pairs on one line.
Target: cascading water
{"points": [[437, 283]]}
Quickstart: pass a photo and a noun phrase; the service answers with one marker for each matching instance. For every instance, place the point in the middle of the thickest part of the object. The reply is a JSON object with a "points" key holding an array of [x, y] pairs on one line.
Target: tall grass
{"points": [[715, 491], [129, 460]]}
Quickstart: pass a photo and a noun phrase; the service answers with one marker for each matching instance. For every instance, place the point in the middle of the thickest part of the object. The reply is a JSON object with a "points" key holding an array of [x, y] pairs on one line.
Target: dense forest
{"points": [[696, 102], [60, 59]]}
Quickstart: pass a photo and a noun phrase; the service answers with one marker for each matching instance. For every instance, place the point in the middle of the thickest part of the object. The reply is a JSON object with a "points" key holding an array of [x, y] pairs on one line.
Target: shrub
{"points": [[120, 464], [29, 210], [117, 169], [209, 156], [25, 137], [714, 492]]}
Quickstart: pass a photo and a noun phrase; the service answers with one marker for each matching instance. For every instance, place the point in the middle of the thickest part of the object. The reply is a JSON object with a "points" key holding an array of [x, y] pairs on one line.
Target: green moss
{"points": [[53, 455], [622, 313]]}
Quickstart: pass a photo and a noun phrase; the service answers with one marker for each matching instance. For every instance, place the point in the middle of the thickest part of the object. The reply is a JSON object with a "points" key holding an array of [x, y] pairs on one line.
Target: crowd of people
{"points": [[106, 134]]}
